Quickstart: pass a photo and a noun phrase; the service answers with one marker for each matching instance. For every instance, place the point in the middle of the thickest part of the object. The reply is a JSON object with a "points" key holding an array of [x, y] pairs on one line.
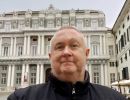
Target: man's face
{"points": [[68, 53]]}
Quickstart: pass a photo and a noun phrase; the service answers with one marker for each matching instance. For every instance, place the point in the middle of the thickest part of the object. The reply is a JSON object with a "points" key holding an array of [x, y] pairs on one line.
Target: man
{"points": [[68, 79]]}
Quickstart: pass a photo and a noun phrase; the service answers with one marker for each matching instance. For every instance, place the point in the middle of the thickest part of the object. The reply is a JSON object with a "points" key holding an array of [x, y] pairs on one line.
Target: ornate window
{"points": [[21, 24], [5, 50], [34, 50], [33, 69], [14, 24], [95, 44], [19, 50], [94, 23], [35, 23], [1, 24], [95, 49], [112, 77], [111, 51], [79, 23], [33, 78], [18, 78], [3, 78], [7, 26], [65, 22], [58, 21], [96, 73], [50, 23]]}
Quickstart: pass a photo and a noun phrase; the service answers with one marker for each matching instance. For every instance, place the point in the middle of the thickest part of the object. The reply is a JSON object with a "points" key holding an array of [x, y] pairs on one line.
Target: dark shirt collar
{"points": [[66, 88]]}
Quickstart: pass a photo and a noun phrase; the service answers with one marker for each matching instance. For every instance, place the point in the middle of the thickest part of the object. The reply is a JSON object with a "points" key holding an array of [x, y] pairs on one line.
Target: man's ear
{"points": [[49, 55], [87, 51]]}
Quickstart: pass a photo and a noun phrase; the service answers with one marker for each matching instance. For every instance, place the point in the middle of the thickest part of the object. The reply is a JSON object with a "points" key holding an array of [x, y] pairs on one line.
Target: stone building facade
{"points": [[121, 31], [25, 42]]}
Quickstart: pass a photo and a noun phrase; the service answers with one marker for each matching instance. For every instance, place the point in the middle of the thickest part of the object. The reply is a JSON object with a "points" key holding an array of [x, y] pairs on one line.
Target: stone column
{"points": [[27, 72], [14, 51], [39, 44], [90, 72], [25, 45], [42, 52], [9, 76], [23, 72], [0, 46], [104, 39], [106, 74], [37, 74], [28, 46], [102, 74], [11, 47], [12, 75], [101, 53], [42, 74]]}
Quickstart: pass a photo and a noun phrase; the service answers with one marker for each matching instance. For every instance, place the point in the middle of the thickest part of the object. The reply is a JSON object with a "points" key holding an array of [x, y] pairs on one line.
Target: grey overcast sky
{"points": [[111, 8]]}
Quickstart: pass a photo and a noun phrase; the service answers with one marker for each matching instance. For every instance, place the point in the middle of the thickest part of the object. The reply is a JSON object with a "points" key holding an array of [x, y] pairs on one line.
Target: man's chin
{"points": [[68, 71]]}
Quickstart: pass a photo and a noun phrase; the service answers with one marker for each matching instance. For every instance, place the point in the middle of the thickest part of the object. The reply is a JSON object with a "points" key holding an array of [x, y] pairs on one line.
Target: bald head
{"points": [[67, 30]]}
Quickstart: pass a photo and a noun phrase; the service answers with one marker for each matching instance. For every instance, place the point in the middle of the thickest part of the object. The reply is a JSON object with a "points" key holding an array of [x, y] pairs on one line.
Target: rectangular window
{"points": [[50, 23], [34, 50], [19, 50], [18, 78], [95, 49], [129, 52], [125, 38], [4, 68], [125, 56], [80, 23], [111, 51], [121, 60], [5, 51], [128, 34], [112, 64], [65, 22], [96, 77], [125, 73], [33, 78], [7, 26], [21, 24], [94, 23], [122, 42], [35, 23], [96, 73], [3, 78], [112, 77]]}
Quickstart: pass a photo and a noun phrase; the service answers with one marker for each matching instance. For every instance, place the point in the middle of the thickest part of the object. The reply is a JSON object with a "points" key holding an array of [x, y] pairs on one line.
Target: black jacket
{"points": [[59, 90]]}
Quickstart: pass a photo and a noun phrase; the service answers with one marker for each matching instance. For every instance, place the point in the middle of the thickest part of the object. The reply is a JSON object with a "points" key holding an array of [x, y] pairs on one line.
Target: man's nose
{"points": [[67, 51]]}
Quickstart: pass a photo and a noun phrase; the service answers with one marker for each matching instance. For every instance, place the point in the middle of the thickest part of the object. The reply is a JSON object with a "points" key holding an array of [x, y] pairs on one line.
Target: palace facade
{"points": [[25, 42]]}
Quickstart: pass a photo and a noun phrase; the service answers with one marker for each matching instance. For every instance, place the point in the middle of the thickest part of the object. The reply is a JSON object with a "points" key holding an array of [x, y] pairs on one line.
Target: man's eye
{"points": [[60, 47], [74, 45]]}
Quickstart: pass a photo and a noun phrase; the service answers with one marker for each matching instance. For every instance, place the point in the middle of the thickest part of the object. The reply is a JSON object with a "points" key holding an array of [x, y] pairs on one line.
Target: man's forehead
{"points": [[68, 31]]}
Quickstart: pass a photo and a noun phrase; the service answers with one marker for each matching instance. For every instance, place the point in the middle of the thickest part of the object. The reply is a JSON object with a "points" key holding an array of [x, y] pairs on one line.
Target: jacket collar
{"points": [[66, 88]]}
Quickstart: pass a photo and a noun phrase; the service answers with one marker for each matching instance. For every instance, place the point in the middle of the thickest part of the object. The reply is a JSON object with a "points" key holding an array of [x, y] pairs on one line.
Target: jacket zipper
{"points": [[73, 90]]}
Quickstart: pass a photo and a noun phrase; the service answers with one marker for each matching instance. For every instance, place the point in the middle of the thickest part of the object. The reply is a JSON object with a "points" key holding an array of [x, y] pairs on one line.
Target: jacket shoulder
{"points": [[106, 92], [28, 93]]}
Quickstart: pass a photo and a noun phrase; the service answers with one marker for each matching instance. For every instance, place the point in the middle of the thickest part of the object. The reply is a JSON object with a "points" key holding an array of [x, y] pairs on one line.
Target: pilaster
{"points": [[12, 75], [37, 74]]}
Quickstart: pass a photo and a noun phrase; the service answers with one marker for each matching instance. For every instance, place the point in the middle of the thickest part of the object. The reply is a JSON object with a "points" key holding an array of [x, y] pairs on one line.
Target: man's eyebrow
{"points": [[58, 43]]}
